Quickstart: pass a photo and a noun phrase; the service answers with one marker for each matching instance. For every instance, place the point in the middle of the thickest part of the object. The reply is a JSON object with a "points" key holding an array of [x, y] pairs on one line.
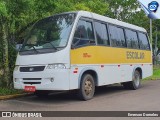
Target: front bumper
{"points": [[55, 79]]}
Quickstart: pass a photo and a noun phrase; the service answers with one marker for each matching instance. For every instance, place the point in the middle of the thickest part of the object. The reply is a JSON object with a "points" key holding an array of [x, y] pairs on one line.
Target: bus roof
{"points": [[108, 20]]}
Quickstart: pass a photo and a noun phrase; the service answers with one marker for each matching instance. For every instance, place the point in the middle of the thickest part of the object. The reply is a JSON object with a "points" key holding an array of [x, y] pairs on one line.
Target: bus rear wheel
{"points": [[135, 83], [87, 87]]}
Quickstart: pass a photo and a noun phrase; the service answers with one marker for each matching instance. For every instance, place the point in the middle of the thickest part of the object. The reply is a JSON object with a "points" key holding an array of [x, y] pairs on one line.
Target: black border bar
{"points": [[79, 113]]}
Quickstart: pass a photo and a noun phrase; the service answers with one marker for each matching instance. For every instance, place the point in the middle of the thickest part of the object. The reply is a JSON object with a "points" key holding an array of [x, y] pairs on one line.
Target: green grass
{"points": [[7, 91], [156, 74]]}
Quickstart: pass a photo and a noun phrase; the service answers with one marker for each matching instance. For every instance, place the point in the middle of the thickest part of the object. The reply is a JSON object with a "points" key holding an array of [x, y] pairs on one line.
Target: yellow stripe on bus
{"points": [[109, 55]]}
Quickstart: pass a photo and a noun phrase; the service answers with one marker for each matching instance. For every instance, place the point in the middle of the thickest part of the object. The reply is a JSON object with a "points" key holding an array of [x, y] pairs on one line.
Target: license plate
{"points": [[30, 88]]}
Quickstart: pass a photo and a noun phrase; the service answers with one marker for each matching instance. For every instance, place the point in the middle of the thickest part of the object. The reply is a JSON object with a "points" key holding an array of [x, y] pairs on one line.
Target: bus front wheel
{"points": [[87, 87], [135, 83]]}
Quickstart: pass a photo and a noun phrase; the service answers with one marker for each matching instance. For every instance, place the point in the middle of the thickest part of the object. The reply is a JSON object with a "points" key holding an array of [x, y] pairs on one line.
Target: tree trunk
{"points": [[5, 81]]}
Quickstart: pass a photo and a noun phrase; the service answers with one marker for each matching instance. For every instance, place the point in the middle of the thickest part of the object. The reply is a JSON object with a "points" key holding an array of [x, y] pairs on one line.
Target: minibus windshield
{"points": [[49, 34]]}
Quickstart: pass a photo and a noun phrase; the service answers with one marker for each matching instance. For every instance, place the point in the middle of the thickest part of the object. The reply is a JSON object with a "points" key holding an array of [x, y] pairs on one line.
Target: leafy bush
{"points": [[7, 91]]}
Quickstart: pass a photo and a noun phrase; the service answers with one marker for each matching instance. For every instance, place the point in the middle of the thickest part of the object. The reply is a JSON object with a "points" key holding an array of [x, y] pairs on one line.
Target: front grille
{"points": [[32, 83], [32, 69], [32, 78]]}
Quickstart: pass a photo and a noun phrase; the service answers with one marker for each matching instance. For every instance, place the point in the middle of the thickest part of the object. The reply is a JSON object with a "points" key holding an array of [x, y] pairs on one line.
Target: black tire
{"points": [[87, 87], [135, 83], [41, 93]]}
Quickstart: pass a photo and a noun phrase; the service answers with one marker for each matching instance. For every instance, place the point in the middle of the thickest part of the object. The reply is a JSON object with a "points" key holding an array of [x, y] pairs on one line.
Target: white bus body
{"points": [[63, 68]]}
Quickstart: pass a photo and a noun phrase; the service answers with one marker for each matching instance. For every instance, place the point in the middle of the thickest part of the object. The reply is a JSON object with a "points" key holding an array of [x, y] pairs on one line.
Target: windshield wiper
{"points": [[52, 45], [35, 49], [31, 46]]}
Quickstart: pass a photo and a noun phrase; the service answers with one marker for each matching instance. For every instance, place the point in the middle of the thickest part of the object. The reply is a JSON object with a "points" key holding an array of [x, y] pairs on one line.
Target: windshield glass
{"points": [[49, 34]]}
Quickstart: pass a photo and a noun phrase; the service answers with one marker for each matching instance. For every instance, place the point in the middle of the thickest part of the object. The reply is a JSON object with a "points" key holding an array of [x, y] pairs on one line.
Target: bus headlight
{"points": [[56, 66]]}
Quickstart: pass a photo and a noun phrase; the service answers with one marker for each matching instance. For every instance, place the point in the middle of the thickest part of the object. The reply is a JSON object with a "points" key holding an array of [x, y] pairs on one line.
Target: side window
{"points": [[144, 44], [121, 38], [89, 29], [81, 30], [84, 34], [101, 33], [117, 36], [132, 39], [113, 35]]}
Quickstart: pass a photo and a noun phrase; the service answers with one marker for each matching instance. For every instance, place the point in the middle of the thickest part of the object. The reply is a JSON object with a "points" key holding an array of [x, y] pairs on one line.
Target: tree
{"points": [[3, 27], [16, 16], [97, 6], [11, 12]]}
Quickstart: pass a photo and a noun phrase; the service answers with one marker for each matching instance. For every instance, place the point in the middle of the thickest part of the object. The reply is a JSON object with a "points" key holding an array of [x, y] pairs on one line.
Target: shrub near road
{"points": [[7, 91], [156, 74]]}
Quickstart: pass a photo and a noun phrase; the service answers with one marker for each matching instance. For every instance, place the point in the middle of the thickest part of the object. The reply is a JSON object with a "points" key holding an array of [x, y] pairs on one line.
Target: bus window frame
{"points": [[93, 20], [106, 24], [149, 44], [123, 32], [92, 44], [137, 38]]}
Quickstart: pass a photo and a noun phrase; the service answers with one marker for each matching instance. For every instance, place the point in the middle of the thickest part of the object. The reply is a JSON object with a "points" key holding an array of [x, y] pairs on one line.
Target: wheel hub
{"points": [[88, 87]]}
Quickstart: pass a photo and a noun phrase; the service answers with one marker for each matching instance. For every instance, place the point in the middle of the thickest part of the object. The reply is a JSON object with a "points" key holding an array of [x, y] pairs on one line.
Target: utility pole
{"points": [[151, 31], [156, 41], [155, 49]]}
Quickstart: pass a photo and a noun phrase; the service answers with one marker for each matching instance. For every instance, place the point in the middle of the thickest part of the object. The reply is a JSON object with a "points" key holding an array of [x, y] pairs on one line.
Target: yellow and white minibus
{"points": [[79, 51]]}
